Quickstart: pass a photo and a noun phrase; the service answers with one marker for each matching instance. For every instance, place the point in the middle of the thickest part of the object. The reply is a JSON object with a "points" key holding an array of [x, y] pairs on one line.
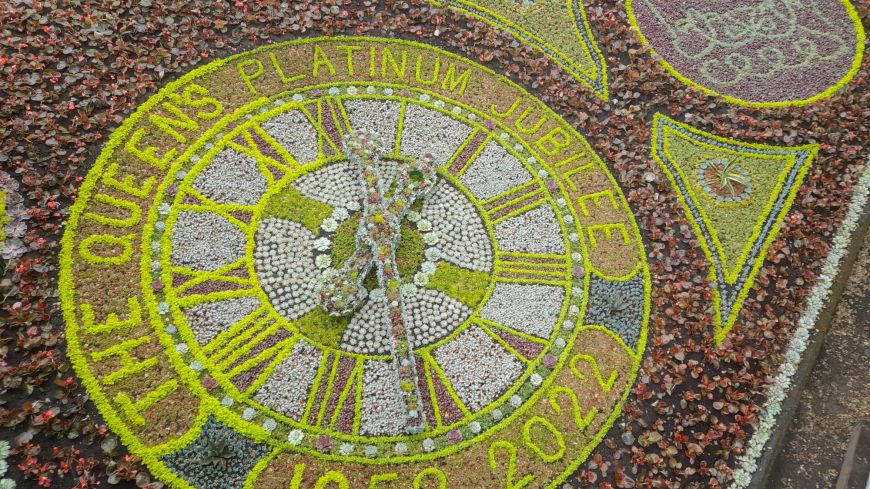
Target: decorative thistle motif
{"points": [[218, 454], [735, 227], [219, 458], [616, 305]]}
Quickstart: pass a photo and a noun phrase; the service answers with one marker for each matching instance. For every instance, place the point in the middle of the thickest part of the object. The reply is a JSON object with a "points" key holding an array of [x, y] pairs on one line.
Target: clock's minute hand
{"points": [[377, 237]]}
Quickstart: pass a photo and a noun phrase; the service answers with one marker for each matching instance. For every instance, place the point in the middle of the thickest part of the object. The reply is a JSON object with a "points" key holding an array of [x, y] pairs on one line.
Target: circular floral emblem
{"points": [[353, 261]]}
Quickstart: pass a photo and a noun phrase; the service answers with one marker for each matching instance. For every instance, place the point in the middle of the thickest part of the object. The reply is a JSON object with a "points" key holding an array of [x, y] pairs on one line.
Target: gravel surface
{"points": [[836, 397]]}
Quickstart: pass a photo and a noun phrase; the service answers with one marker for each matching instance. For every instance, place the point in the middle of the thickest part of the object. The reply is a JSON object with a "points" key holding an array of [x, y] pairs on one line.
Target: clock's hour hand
{"points": [[342, 292], [378, 236]]}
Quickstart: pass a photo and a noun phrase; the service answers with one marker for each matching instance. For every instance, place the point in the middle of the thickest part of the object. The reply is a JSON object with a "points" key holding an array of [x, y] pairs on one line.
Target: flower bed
{"points": [[221, 367]]}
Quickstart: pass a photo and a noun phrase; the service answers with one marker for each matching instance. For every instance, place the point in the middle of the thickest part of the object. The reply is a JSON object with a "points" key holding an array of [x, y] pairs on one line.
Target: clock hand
{"points": [[343, 292], [377, 237]]}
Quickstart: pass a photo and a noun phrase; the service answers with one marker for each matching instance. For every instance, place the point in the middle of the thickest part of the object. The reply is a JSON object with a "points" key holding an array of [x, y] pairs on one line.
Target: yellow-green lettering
{"points": [[431, 473], [127, 185], [349, 50], [451, 81], [332, 476], [321, 59], [418, 73], [284, 78], [558, 453], [121, 249], [202, 101], [373, 482], [554, 141], [398, 70], [113, 322], [149, 154], [247, 75]]}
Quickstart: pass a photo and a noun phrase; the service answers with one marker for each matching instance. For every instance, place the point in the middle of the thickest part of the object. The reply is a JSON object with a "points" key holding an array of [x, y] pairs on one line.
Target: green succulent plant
{"points": [[218, 453], [727, 177], [618, 302]]}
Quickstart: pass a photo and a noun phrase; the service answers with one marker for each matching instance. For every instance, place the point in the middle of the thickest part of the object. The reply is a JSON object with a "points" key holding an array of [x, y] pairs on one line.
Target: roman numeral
{"points": [[246, 337], [339, 383], [447, 401], [238, 214], [523, 346], [467, 152], [532, 268], [273, 159], [234, 276], [514, 202], [329, 118], [193, 299], [433, 418], [320, 387], [222, 344], [249, 359]]}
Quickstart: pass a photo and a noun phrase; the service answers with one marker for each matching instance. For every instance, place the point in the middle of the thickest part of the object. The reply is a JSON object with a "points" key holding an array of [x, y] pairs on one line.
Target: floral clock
{"points": [[353, 262]]}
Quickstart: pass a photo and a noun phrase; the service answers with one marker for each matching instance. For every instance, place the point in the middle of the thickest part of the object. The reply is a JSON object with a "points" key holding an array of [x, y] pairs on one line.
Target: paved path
{"points": [[837, 395]]}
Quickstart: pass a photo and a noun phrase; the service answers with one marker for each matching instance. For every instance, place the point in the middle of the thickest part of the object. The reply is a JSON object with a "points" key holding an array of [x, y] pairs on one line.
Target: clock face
{"points": [[511, 325], [487, 261]]}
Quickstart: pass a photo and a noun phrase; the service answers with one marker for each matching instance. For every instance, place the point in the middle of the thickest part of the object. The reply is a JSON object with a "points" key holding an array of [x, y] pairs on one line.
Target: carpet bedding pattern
{"points": [[459, 244]]}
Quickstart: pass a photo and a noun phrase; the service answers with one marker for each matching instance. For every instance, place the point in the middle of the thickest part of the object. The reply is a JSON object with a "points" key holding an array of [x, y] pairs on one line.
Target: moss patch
{"points": [[321, 328], [288, 203], [466, 286], [409, 254], [344, 240]]}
